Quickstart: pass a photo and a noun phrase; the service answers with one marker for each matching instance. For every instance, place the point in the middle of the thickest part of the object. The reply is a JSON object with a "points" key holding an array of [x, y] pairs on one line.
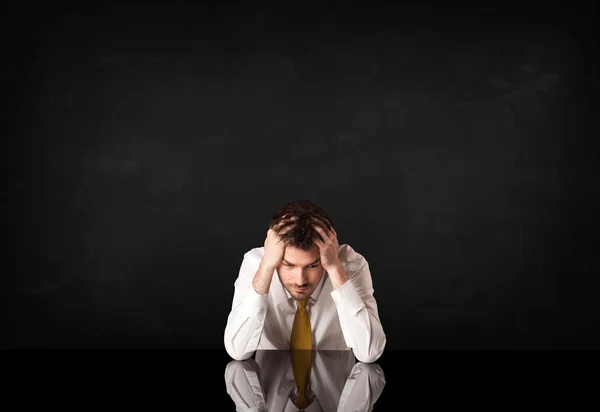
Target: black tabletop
{"points": [[211, 380]]}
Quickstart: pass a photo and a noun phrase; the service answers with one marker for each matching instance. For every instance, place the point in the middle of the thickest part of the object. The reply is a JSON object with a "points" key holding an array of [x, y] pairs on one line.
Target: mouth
{"points": [[300, 290]]}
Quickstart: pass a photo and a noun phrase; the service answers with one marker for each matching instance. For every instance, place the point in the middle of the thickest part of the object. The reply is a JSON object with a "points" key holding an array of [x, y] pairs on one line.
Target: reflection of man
{"points": [[303, 290], [336, 383]]}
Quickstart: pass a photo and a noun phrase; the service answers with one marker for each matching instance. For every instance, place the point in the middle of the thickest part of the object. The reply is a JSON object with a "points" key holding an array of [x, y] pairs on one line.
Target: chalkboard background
{"points": [[147, 146]]}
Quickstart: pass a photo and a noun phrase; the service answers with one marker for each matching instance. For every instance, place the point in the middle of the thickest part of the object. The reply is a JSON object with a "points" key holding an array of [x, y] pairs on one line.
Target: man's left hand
{"points": [[328, 248]]}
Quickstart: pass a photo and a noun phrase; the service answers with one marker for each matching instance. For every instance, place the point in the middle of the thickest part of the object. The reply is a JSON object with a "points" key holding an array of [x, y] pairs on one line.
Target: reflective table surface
{"points": [[283, 381]]}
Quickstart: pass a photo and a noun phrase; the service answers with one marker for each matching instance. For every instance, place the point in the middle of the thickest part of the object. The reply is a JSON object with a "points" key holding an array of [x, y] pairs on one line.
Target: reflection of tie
{"points": [[301, 366], [301, 352]]}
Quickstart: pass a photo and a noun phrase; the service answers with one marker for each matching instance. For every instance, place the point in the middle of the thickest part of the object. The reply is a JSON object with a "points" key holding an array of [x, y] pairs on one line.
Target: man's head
{"points": [[300, 270]]}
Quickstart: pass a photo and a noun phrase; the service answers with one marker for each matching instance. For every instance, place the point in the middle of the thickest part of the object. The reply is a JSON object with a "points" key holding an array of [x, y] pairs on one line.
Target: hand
{"points": [[328, 248], [274, 246]]}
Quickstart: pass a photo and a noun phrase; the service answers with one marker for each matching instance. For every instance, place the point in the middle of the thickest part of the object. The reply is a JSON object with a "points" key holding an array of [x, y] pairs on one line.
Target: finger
{"points": [[287, 228], [323, 234], [319, 243], [324, 221], [319, 229], [320, 220], [323, 229], [324, 225], [290, 226], [285, 221]]}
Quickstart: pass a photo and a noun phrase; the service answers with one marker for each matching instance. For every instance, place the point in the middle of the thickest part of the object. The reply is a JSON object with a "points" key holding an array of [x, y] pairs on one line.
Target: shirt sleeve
{"points": [[359, 316], [248, 312]]}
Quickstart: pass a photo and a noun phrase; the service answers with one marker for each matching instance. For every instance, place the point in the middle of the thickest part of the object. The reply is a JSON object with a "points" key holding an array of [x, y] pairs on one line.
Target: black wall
{"points": [[455, 148]]}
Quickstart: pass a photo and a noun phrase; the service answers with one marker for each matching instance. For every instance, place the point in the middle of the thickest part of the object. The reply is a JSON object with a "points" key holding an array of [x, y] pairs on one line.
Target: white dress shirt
{"points": [[341, 319], [337, 383]]}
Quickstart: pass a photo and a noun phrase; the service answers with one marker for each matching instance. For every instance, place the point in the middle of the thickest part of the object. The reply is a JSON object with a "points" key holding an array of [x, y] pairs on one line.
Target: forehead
{"points": [[301, 257]]}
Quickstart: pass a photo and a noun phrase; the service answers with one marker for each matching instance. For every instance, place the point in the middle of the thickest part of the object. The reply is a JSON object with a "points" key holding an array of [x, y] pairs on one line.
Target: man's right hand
{"points": [[274, 252], [274, 245]]}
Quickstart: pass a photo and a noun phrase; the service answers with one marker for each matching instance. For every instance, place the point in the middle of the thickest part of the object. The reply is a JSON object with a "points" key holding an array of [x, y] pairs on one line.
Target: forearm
{"points": [[362, 389], [361, 327], [244, 326], [262, 279], [241, 382], [338, 276], [246, 319]]}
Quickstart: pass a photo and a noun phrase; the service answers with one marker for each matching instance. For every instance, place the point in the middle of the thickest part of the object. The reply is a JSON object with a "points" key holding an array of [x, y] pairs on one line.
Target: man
{"points": [[302, 290], [337, 383]]}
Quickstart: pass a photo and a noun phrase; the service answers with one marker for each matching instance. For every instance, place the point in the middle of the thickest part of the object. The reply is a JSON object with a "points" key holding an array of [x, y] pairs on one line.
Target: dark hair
{"points": [[301, 236]]}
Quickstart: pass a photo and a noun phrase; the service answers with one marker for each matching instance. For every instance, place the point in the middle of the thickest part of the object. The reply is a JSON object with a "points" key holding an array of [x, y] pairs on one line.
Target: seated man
{"points": [[321, 299]]}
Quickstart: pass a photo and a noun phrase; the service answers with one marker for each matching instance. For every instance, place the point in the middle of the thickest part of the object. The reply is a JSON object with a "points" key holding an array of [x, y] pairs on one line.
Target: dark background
{"points": [[146, 147]]}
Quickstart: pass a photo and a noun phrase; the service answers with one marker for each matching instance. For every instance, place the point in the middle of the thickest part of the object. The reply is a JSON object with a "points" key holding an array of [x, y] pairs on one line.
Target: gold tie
{"points": [[301, 352], [301, 332]]}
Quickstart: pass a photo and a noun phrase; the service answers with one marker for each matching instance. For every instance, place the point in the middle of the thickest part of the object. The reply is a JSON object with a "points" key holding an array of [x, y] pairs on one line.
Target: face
{"points": [[299, 273]]}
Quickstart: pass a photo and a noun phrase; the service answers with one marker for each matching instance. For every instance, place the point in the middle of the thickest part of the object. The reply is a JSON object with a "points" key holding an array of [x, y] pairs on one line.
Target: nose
{"points": [[301, 278]]}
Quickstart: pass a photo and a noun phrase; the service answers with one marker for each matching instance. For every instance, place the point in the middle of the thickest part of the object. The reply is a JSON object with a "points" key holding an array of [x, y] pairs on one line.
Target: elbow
{"points": [[369, 357], [373, 353], [237, 355], [240, 356]]}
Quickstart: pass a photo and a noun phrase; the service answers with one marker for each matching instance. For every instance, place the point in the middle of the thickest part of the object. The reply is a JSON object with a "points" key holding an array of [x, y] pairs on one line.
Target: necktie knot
{"points": [[302, 304]]}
